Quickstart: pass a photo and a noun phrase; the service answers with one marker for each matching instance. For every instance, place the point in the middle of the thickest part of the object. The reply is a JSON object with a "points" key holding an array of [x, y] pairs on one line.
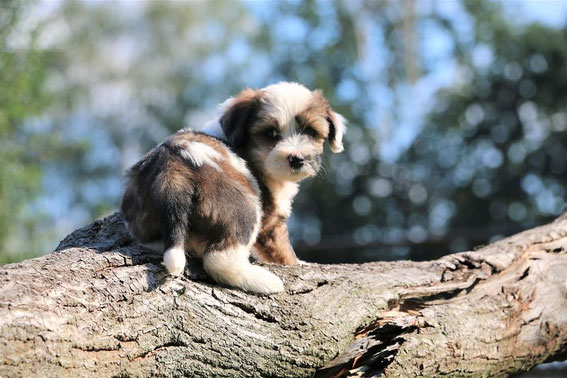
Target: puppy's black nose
{"points": [[295, 162]]}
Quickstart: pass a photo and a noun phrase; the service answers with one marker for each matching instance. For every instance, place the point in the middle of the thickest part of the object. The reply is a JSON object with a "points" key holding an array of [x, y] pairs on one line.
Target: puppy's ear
{"points": [[239, 113], [337, 128]]}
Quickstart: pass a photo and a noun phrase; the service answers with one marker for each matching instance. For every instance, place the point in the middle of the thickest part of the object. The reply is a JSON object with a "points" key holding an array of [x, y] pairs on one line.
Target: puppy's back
{"points": [[191, 188]]}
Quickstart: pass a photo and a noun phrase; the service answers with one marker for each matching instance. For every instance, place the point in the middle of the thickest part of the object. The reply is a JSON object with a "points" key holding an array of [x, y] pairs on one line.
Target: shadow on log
{"points": [[102, 305]]}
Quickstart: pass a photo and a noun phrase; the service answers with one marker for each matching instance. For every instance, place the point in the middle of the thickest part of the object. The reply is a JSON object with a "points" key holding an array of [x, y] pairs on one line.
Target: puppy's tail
{"points": [[233, 268]]}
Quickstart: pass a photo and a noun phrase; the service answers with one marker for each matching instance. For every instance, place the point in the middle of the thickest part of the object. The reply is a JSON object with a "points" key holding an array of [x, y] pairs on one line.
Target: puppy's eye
{"points": [[272, 133], [311, 132]]}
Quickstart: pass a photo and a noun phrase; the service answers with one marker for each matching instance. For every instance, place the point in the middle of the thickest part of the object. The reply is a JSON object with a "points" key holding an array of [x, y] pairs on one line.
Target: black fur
{"points": [[237, 119]]}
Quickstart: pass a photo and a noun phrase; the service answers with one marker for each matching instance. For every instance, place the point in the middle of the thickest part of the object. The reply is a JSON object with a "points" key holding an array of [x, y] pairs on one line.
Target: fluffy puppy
{"points": [[228, 190]]}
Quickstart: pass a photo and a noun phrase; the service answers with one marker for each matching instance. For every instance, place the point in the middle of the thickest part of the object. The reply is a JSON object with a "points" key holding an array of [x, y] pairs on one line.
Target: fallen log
{"points": [[102, 305]]}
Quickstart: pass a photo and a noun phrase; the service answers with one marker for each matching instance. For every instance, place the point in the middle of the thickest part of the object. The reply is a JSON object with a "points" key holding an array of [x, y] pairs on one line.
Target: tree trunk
{"points": [[102, 305]]}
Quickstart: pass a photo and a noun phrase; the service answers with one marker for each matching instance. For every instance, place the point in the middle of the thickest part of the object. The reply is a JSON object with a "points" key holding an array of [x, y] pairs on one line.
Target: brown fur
{"points": [[272, 243], [315, 115], [204, 202]]}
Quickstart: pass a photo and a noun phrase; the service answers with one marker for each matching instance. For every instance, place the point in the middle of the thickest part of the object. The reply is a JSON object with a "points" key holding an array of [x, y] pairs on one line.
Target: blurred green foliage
{"points": [[490, 159], [22, 74], [27, 147], [457, 116], [495, 145]]}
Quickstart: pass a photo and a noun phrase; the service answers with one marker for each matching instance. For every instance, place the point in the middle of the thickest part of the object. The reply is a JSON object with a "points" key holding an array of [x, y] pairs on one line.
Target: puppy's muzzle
{"points": [[296, 162]]}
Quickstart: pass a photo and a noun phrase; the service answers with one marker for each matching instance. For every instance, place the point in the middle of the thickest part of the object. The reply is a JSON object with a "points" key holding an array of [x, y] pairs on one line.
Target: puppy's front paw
{"points": [[174, 260]]}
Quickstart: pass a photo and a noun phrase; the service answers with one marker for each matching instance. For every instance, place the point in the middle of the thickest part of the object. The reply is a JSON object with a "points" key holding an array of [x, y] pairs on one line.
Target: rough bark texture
{"points": [[102, 305]]}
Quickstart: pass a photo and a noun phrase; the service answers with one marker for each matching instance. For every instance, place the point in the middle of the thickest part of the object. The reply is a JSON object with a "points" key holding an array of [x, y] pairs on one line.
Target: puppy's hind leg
{"points": [[175, 229], [232, 267]]}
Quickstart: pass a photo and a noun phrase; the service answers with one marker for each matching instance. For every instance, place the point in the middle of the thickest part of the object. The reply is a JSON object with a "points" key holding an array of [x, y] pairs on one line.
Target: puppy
{"points": [[228, 190]]}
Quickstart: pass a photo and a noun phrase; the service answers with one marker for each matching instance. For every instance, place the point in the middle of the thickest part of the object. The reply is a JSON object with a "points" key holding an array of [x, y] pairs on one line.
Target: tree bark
{"points": [[101, 305]]}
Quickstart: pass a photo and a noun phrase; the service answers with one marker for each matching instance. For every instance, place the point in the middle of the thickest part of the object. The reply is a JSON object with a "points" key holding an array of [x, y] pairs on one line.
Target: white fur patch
{"points": [[340, 127], [174, 260], [259, 213], [285, 100], [283, 192], [233, 268], [239, 164], [200, 154]]}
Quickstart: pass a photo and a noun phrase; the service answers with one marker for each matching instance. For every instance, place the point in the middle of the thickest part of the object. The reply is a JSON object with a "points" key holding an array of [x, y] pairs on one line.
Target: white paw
{"points": [[174, 260]]}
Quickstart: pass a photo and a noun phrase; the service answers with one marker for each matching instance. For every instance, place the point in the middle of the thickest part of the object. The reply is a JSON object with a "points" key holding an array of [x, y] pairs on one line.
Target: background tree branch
{"points": [[101, 304]]}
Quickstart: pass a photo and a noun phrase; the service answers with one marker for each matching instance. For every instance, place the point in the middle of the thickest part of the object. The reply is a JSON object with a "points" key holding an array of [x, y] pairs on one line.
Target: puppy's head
{"points": [[281, 129]]}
